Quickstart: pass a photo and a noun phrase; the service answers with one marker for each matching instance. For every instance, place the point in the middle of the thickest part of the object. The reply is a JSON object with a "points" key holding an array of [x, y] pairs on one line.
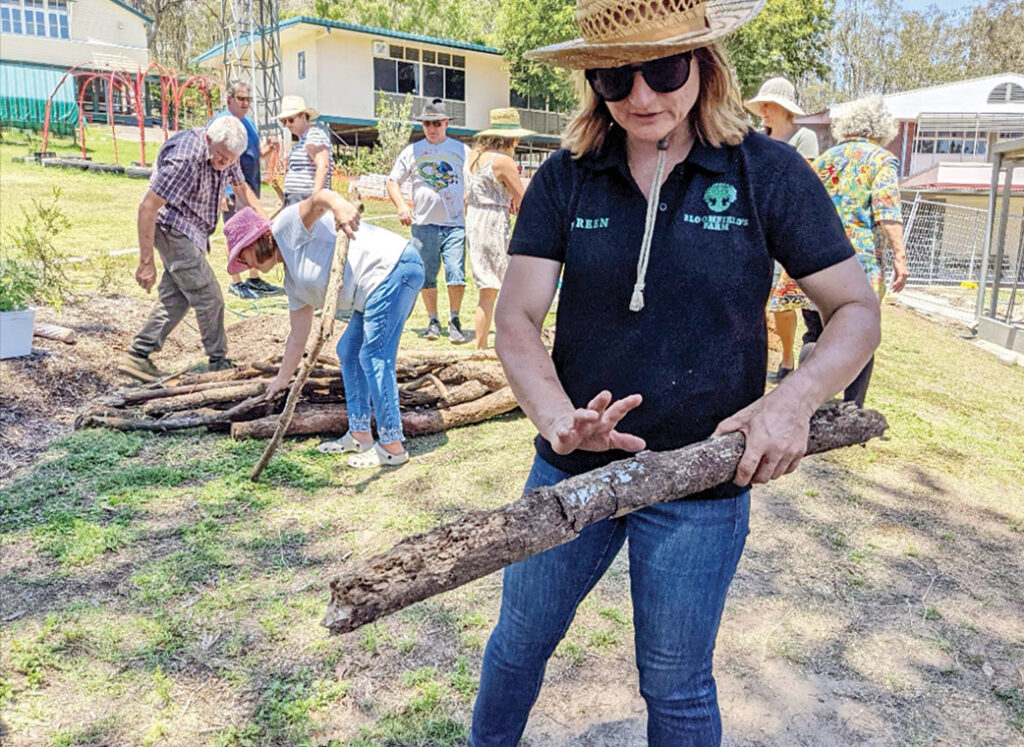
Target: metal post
{"points": [[1004, 217], [997, 164]]}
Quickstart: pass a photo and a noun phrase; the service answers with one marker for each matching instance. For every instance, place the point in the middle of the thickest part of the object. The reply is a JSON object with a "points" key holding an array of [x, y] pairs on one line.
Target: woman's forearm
{"points": [[301, 323], [531, 374]]}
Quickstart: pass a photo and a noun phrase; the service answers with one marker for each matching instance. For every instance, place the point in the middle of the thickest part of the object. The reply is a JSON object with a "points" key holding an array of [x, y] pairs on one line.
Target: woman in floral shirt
{"points": [[862, 178]]}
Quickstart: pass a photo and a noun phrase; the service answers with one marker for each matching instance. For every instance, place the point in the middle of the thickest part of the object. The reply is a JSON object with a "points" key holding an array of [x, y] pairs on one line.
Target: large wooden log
{"points": [[481, 542], [201, 419], [489, 373], [55, 332], [318, 419]]}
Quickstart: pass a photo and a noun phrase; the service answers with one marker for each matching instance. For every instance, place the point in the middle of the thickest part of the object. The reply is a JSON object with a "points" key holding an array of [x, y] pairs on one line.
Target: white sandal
{"points": [[378, 457], [345, 444]]}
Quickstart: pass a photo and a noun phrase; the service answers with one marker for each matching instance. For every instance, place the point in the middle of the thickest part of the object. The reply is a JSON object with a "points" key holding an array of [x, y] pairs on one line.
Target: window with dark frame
{"points": [[420, 72]]}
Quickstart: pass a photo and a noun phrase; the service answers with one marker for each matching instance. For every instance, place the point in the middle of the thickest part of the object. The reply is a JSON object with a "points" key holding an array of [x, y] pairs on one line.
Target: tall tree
{"points": [[465, 20], [788, 38], [523, 25], [993, 36]]}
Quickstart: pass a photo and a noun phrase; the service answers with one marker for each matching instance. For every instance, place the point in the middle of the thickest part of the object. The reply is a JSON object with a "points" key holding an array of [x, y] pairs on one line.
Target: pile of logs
{"points": [[437, 391]]}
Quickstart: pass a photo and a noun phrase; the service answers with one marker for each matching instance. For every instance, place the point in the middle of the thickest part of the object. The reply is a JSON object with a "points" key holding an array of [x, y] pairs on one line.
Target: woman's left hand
{"points": [[776, 430], [346, 217], [273, 388]]}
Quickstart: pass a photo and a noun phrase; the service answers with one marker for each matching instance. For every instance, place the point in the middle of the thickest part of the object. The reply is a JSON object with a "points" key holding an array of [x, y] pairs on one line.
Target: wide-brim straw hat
{"points": [[505, 123], [292, 105], [620, 32], [776, 91]]}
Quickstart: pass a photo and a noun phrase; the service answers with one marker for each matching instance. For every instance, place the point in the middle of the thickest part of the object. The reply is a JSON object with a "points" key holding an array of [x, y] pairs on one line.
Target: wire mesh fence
{"points": [[945, 245]]}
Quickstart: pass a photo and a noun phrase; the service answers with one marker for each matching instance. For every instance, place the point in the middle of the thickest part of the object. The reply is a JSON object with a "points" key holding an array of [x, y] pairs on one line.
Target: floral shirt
{"points": [[862, 180]]}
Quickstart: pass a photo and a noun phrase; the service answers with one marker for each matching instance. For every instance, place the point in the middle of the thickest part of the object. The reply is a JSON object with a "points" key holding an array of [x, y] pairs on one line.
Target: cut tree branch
{"points": [[481, 542]]}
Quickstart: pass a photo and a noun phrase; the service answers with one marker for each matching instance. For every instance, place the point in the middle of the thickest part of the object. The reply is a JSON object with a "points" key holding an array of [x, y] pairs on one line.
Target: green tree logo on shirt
{"points": [[720, 197]]}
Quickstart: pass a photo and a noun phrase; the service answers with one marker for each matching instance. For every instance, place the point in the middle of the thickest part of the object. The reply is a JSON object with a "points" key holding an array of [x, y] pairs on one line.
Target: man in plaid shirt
{"points": [[177, 216]]}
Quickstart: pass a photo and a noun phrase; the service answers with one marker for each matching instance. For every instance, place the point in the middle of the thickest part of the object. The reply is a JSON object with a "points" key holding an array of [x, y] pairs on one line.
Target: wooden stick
{"points": [[311, 360], [483, 541], [55, 332]]}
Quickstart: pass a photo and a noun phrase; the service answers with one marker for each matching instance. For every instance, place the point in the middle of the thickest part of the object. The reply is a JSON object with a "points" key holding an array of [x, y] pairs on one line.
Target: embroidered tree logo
{"points": [[720, 196]]}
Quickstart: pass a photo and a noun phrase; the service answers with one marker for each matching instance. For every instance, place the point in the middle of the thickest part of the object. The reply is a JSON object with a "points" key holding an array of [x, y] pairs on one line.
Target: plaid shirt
{"points": [[192, 188]]}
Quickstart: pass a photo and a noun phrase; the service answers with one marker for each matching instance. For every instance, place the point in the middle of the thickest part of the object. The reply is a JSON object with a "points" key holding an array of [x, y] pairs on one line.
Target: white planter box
{"points": [[16, 333]]}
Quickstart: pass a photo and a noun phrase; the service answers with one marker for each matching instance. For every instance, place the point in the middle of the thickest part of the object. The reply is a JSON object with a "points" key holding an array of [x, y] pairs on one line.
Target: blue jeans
{"points": [[447, 243], [368, 348], [682, 556]]}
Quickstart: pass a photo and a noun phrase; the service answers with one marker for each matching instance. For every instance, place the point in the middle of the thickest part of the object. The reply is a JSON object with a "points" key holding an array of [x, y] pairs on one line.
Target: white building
{"points": [[949, 123], [41, 39], [340, 68]]}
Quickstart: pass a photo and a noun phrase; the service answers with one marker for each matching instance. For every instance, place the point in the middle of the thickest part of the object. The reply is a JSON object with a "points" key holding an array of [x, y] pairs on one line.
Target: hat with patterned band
{"points": [[505, 123], [621, 32]]}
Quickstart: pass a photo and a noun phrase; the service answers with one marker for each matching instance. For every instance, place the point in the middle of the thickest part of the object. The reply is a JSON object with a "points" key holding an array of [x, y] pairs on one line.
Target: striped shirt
{"points": [[301, 168], [191, 188]]}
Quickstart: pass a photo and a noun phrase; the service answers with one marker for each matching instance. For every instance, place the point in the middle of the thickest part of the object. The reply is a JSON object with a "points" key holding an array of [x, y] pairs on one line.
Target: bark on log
{"points": [[334, 418], [325, 330], [218, 396], [136, 396], [117, 421], [486, 372], [55, 332], [481, 542]]}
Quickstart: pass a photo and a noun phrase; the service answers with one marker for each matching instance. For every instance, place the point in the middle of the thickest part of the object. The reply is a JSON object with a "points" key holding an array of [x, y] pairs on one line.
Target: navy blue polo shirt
{"points": [[697, 352]]}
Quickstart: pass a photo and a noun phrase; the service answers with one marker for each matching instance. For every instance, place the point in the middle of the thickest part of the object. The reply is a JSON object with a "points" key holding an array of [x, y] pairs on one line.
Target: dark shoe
{"points": [[262, 288], [220, 364], [455, 333], [774, 377], [242, 290], [138, 367], [433, 330]]}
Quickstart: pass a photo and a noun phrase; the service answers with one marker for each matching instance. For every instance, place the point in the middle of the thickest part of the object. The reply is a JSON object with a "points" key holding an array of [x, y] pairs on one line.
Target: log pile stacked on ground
{"points": [[437, 391]]}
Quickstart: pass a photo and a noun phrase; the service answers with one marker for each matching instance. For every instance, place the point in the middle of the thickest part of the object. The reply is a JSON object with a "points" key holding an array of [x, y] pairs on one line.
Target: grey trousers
{"points": [[188, 282]]}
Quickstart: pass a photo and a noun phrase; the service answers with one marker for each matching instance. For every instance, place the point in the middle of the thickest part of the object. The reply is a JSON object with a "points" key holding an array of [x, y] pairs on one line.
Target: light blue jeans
{"points": [[442, 243], [682, 556], [368, 348]]}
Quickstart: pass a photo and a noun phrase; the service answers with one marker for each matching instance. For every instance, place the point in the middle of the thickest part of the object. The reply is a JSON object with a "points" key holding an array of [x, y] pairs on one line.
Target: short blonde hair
{"points": [[717, 118], [868, 118]]}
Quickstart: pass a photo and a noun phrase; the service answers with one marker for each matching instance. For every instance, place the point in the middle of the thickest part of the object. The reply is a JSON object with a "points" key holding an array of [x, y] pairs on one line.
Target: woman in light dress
{"points": [[776, 105], [493, 192]]}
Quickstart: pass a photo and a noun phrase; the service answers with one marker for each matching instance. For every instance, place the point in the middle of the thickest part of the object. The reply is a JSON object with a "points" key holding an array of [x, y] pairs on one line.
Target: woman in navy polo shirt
{"points": [[663, 216]]}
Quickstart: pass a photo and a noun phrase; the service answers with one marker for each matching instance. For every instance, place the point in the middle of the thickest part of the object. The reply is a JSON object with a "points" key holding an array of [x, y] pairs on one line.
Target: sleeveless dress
{"points": [[488, 227]]}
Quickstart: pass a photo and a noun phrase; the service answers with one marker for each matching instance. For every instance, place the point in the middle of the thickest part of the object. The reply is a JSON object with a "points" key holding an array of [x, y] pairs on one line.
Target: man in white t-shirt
{"points": [[434, 166]]}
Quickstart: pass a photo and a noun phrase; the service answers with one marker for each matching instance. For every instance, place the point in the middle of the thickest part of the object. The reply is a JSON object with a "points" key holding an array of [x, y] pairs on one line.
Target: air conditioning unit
{"points": [[380, 48]]}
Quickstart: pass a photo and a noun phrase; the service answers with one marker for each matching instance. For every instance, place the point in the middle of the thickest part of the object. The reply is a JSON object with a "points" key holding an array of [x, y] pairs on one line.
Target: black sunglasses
{"points": [[663, 76]]}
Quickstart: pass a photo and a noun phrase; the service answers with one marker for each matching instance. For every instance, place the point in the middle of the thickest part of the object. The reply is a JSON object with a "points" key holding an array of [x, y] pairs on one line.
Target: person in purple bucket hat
{"points": [[382, 276]]}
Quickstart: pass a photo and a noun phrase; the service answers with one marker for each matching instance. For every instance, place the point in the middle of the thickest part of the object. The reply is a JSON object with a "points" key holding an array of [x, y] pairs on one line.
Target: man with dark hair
{"points": [[239, 104]]}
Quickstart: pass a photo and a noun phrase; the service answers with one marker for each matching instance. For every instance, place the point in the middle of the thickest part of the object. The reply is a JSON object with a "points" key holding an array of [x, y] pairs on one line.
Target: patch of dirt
{"points": [[41, 394]]}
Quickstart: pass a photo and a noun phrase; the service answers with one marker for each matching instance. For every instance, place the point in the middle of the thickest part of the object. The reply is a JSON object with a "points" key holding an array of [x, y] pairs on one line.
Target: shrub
{"points": [[34, 242], [17, 284]]}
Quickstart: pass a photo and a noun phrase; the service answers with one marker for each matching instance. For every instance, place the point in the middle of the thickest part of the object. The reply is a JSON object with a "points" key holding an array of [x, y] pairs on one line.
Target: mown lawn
{"points": [[150, 594]]}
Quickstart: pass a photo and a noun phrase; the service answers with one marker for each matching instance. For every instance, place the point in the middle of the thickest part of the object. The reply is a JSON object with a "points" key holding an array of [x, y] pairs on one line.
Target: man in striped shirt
{"points": [[176, 217]]}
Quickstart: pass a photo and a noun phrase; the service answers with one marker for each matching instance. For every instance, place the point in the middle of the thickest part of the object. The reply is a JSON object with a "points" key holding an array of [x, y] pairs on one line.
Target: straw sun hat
{"points": [[620, 32], [292, 105], [505, 123], [776, 91]]}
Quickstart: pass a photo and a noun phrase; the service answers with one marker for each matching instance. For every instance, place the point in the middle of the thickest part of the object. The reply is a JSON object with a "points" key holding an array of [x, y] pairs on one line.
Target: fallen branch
{"points": [[319, 419], [55, 332], [101, 419], [481, 542]]}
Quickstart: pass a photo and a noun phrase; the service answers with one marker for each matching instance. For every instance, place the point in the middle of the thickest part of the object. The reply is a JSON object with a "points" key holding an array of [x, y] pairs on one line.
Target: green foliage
{"points": [[394, 127], [18, 283], [523, 25], [788, 38], [34, 240], [446, 19]]}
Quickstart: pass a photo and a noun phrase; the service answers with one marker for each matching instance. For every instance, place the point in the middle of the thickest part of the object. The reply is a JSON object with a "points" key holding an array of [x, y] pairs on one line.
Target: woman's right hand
{"points": [[346, 217], [592, 428]]}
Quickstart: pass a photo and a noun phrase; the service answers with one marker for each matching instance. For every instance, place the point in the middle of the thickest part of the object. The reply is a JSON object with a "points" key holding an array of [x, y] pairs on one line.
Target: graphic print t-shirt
{"points": [[436, 174]]}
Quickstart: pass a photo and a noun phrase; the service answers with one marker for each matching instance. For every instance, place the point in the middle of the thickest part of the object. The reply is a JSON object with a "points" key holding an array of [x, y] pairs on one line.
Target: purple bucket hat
{"points": [[243, 228]]}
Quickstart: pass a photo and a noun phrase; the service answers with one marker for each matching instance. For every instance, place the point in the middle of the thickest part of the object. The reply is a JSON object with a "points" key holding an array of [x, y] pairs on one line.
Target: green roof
{"points": [[328, 24], [132, 10]]}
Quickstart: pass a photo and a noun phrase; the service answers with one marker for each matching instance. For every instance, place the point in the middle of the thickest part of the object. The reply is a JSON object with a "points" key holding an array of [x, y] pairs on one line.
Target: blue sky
{"points": [[945, 5]]}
